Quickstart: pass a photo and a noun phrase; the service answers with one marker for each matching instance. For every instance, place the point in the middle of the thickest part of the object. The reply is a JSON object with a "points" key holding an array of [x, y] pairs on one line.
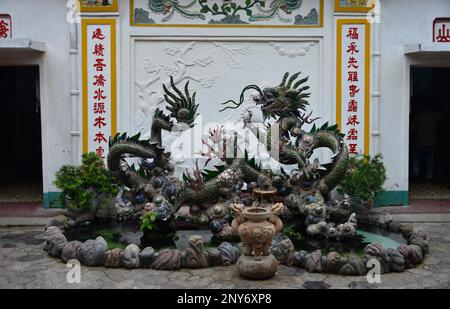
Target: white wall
{"points": [[402, 22], [45, 21], [266, 68]]}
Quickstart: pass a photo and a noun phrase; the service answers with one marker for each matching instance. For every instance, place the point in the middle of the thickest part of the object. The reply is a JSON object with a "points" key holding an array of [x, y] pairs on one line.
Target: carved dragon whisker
{"points": [[307, 119], [241, 99]]}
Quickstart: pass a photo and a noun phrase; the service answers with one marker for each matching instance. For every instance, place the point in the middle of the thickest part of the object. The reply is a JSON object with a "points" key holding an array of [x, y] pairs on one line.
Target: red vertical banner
{"points": [[353, 84], [99, 84], [5, 26]]}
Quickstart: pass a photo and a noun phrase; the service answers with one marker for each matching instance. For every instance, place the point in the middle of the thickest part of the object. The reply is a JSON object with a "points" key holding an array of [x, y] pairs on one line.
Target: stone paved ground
{"points": [[23, 264]]}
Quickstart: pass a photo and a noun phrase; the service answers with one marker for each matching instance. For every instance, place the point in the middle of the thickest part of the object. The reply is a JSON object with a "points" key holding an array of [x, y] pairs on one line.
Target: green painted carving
{"points": [[170, 7], [141, 16], [288, 6], [311, 19], [227, 11]]}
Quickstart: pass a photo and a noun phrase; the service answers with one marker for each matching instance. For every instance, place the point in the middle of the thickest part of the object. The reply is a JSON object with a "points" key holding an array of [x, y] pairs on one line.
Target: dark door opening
{"points": [[430, 134], [20, 127]]}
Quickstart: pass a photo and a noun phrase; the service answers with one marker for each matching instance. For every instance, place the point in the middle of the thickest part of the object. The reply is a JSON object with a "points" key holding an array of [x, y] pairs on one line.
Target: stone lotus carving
{"points": [[257, 226]]}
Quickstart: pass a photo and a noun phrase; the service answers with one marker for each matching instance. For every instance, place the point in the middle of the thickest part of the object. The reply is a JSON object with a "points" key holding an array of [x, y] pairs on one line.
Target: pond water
{"points": [[120, 235]]}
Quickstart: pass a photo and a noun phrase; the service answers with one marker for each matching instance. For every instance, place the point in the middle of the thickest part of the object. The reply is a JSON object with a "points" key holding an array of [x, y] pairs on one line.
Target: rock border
{"points": [[96, 253]]}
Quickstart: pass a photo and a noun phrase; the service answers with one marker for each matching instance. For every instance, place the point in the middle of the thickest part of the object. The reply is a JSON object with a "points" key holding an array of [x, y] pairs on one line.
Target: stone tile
{"points": [[179, 275], [204, 271], [161, 279], [127, 284], [25, 265], [420, 272], [116, 275], [313, 277], [222, 285], [336, 281], [225, 275], [315, 285], [200, 283]]}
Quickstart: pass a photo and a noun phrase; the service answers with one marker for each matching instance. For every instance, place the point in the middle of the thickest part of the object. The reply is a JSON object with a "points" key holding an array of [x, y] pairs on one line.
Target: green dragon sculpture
{"points": [[286, 104]]}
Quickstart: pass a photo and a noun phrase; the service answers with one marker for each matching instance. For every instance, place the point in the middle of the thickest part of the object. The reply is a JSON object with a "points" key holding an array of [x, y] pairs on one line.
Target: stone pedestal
{"points": [[257, 270]]}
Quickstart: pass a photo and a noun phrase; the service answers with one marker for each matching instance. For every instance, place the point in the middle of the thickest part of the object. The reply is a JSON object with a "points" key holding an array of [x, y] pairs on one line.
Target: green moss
{"points": [[291, 232], [357, 253], [112, 239]]}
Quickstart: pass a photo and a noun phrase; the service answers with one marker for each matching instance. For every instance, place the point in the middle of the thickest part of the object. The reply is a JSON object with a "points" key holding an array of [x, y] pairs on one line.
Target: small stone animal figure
{"points": [[284, 252], [348, 229], [195, 253]]}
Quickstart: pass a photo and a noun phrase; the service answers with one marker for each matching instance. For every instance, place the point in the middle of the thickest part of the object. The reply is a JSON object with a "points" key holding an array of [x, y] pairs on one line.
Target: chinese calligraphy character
{"points": [[100, 151], [99, 65], [99, 108], [353, 120], [97, 34], [352, 106], [352, 135], [353, 34], [99, 122], [352, 62], [3, 29], [99, 80], [352, 48], [98, 50], [100, 137], [99, 94], [353, 90], [353, 76], [352, 148], [444, 35]]}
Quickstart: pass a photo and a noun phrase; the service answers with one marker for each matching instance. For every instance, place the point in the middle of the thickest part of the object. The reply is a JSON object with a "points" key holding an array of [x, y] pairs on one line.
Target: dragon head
{"points": [[287, 99]]}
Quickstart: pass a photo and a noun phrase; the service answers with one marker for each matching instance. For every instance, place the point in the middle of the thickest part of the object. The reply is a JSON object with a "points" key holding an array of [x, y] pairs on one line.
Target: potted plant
{"points": [[364, 179], [86, 187]]}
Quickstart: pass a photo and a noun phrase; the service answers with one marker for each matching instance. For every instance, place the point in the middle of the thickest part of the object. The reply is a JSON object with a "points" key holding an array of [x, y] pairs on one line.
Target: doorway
{"points": [[429, 170], [21, 155]]}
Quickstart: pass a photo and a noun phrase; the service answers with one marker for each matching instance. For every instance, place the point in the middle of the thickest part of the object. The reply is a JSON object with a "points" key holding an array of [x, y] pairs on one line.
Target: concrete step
{"points": [[26, 214], [24, 221]]}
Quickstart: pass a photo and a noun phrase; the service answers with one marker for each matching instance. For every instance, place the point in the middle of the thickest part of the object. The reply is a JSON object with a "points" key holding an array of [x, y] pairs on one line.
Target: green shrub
{"points": [[365, 177], [291, 232], [148, 221], [80, 185]]}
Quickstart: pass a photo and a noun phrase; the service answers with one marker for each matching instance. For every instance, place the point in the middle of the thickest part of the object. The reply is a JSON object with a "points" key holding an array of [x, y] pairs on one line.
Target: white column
{"points": [[376, 78], [74, 95]]}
